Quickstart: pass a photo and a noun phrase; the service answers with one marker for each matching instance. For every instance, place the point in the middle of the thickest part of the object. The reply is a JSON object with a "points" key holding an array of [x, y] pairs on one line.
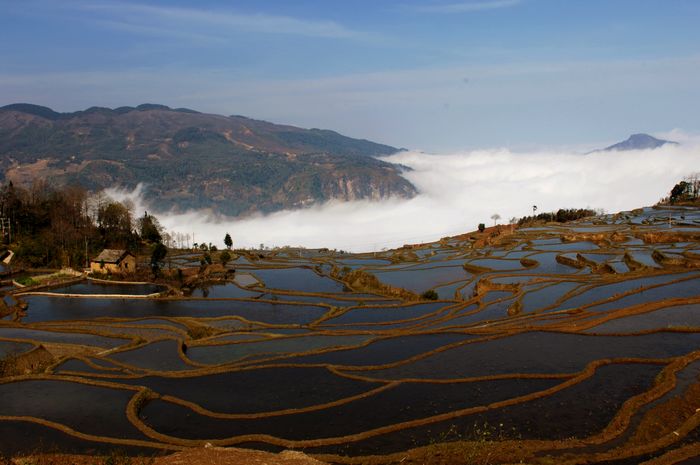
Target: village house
{"points": [[113, 261]]}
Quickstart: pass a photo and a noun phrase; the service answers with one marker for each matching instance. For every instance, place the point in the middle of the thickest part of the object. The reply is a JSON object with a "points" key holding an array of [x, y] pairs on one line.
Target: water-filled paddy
{"points": [[580, 410], [297, 279], [258, 390], [217, 354], [421, 280], [77, 365], [403, 403], [386, 314], [42, 308], [92, 287], [90, 409], [62, 337], [682, 316], [606, 291], [547, 296], [347, 358], [383, 351], [157, 356], [14, 348], [522, 353], [225, 291]]}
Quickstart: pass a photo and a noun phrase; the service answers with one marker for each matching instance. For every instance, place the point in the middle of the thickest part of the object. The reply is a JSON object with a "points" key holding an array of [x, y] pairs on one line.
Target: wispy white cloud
{"points": [[467, 7], [174, 33], [457, 192], [165, 20]]}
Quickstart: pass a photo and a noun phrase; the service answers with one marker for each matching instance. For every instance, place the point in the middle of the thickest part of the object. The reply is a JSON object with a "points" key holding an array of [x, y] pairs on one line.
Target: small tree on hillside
{"points": [[157, 257], [225, 257], [495, 217], [679, 191], [149, 228], [228, 242], [429, 295]]}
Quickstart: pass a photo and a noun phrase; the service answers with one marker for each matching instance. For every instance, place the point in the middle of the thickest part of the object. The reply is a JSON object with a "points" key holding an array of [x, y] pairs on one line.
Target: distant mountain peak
{"points": [[639, 141]]}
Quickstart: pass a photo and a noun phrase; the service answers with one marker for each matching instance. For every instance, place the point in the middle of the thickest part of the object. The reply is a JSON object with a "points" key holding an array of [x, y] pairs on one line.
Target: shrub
{"points": [[430, 295], [482, 227]]}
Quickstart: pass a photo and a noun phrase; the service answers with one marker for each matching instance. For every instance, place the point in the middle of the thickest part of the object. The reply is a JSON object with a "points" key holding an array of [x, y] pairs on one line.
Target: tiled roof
{"points": [[111, 255]]}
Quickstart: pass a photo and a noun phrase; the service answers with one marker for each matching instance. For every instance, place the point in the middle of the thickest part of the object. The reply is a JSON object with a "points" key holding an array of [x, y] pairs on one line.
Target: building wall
{"points": [[128, 265]]}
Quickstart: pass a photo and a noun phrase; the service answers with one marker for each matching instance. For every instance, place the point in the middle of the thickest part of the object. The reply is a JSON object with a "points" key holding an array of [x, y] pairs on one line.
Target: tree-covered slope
{"points": [[188, 159]]}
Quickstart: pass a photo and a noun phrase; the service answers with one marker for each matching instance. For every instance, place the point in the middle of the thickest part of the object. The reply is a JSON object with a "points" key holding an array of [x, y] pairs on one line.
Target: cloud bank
{"points": [[457, 191]]}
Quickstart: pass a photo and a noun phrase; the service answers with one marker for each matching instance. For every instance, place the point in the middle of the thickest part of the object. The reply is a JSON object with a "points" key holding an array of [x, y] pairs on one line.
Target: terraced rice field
{"points": [[567, 343]]}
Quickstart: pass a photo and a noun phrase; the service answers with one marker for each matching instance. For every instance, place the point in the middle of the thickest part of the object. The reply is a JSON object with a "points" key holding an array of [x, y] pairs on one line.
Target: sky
{"points": [[432, 75]]}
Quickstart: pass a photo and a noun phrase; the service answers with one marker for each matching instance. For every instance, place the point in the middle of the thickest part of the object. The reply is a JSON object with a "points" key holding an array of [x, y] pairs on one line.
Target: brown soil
{"points": [[205, 456], [668, 416]]}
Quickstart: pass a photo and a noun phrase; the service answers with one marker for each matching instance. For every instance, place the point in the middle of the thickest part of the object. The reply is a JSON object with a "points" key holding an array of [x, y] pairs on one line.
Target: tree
{"points": [[678, 191], [430, 295], [225, 257], [157, 256], [114, 217], [149, 228], [482, 227], [228, 242], [114, 221], [495, 217]]}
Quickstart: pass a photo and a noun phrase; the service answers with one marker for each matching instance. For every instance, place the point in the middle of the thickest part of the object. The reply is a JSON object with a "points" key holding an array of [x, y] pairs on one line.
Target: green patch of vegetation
{"points": [[560, 216], [27, 281], [429, 295]]}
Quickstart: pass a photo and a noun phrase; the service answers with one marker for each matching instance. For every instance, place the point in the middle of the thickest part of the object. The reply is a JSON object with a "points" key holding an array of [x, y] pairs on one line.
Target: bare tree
{"points": [[495, 217]]}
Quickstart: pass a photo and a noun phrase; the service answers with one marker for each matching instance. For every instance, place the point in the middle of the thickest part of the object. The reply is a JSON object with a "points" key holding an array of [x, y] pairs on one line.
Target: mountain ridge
{"points": [[191, 160], [639, 141]]}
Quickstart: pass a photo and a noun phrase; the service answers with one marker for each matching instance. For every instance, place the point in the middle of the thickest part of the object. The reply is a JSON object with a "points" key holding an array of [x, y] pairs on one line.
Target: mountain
{"points": [[639, 142], [186, 159]]}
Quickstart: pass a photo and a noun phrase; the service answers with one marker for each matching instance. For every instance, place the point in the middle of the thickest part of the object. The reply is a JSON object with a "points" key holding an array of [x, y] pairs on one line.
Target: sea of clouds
{"points": [[457, 192]]}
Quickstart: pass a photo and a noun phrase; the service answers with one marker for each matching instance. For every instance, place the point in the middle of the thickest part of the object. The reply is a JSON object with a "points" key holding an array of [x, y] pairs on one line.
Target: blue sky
{"points": [[433, 74]]}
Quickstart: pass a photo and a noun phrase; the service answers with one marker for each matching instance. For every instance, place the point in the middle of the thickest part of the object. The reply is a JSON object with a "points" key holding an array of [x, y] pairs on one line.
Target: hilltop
{"points": [[191, 160], [638, 142]]}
